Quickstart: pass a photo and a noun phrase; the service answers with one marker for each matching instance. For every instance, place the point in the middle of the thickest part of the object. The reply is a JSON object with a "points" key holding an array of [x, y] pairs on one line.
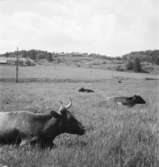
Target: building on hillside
{"points": [[3, 60], [12, 61]]}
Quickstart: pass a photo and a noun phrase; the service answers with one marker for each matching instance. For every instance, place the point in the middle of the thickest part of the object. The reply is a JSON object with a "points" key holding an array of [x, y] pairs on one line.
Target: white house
{"points": [[3, 60]]}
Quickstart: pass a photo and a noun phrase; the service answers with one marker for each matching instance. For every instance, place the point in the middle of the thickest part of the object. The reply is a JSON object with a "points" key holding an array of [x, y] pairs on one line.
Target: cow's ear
{"points": [[54, 114], [64, 112]]}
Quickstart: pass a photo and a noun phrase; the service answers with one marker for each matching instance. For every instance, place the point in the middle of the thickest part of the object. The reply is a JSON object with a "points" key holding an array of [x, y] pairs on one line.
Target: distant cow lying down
{"points": [[24, 127], [129, 101], [86, 90]]}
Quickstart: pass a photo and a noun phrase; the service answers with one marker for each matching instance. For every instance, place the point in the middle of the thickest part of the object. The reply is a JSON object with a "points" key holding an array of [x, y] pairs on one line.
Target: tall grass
{"points": [[115, 137]]}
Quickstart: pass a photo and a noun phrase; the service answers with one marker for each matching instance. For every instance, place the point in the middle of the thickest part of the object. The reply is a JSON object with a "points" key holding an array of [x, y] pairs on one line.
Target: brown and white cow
{"points": [[24, 127]]}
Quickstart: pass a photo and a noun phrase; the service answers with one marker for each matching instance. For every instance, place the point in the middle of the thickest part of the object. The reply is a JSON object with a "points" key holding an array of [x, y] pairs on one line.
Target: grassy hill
{"points": [[149, 59]]}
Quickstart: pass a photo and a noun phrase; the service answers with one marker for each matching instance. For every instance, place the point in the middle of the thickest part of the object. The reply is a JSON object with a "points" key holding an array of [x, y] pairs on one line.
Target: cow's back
{"points": [[121, 99], [12, 120], [23, 121]]}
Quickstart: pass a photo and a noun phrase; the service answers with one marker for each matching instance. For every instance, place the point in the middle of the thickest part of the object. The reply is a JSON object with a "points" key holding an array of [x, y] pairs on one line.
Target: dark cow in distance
{"points": [[129, 101], [86, 90], [24, 127]]}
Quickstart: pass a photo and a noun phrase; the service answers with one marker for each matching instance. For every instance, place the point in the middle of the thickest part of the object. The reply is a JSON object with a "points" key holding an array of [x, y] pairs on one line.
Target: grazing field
{"points": [[116, 136]]}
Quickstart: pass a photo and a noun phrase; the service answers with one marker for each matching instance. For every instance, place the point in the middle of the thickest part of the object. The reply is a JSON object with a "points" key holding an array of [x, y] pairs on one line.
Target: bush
{"points": [[119, 68], [50, 57], [137, 65], [134, 65], [129, 65]]}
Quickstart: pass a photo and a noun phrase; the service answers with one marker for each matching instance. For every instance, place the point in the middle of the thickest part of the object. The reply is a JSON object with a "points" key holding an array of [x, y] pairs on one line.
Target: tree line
{"points": [[151, 56], [50, 56], [148, 56]]}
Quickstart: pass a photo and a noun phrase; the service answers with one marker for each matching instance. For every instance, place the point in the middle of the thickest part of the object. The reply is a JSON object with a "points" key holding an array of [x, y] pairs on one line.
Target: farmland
{"points": [[116, 136]]}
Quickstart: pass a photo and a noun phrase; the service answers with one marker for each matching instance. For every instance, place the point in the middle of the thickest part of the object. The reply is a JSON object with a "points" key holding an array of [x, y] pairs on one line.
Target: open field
{"points": [[116, 136], [60, 72]]}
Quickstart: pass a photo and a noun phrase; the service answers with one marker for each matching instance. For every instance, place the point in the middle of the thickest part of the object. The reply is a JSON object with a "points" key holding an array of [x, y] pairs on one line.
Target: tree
{"points": [[129, 65], [137, 65], [6, 54], [134, 65], [50, 57]]}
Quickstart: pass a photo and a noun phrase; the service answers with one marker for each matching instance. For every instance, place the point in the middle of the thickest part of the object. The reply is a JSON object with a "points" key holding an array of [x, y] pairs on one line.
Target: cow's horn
{"points": [[61, 106], [69, 104]]}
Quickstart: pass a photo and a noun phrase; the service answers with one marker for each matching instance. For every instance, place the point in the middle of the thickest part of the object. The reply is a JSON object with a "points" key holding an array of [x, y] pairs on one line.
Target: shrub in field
{"points": [[137, 65], [134, 65], [119, 68], [129, 65]]}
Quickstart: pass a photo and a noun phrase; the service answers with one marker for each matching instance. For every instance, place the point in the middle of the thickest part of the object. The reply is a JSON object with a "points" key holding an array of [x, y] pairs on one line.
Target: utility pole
{"points": [[17, 66]]}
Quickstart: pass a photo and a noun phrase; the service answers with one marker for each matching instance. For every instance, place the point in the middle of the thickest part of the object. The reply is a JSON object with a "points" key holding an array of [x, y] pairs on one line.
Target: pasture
{"points": [[116, 136]]}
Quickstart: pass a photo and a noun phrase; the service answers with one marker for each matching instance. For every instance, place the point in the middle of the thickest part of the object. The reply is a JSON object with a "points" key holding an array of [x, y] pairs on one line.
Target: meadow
{"points": [[116, 136]]}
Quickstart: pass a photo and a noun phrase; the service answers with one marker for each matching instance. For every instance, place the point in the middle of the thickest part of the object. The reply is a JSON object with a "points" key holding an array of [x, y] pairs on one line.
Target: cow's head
{"points": [[81, 90], [138, 99], [68, 122]]}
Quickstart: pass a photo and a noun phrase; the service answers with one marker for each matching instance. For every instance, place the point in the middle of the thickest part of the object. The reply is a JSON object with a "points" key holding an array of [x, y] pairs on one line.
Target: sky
{"points": [[110, 27]]}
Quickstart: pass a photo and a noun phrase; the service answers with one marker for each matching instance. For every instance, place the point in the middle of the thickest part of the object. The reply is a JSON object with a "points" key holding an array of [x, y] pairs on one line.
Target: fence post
{"points": [[17, 66]]}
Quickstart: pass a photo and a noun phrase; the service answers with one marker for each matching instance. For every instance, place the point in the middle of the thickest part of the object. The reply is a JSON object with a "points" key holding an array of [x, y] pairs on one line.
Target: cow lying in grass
{"points": [[24, 127], [86, 90], [129, 101]]}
